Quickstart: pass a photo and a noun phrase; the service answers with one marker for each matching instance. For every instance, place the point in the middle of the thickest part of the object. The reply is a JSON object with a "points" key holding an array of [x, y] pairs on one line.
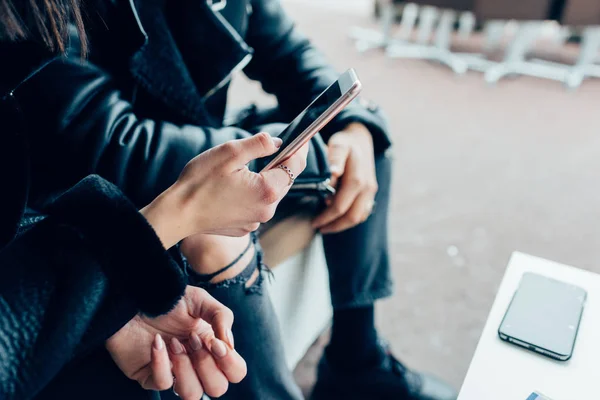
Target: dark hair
{"points": [[42, 20]]}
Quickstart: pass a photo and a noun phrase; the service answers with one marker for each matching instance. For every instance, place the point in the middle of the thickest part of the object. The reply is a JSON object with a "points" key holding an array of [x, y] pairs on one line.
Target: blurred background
{"points": [[496, 151]]}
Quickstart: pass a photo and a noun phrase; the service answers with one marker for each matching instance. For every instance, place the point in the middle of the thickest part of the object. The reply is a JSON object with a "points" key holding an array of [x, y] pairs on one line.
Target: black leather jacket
{"points": [[152, 94]]}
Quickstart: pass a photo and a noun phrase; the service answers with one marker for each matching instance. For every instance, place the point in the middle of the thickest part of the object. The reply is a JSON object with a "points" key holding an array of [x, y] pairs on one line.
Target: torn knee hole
{"points": [[236, 269], [253, 278]]}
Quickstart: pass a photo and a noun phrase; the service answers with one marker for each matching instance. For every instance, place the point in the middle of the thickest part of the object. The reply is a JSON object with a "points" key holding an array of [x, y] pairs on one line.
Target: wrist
{"points": [[114, 343], [164, 214]]}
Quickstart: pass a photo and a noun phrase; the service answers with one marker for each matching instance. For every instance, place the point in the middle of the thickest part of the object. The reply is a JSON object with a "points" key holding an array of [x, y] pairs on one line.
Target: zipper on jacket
{"points": [[240, 66], [217, 5]]}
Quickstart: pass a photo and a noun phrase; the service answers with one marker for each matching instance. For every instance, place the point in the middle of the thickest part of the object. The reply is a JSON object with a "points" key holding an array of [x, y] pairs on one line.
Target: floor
{"points": [[481, 171]]}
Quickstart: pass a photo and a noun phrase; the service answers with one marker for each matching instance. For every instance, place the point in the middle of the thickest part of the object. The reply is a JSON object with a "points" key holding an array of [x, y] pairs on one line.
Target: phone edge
{"points": [[317, 125]]}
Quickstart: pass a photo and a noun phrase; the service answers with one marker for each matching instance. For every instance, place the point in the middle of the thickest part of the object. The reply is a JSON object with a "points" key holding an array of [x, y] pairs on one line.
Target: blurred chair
{"points": [[400, 44], [367, 39], [434, 22], [531, 16], [586, 14], [437, 19]]}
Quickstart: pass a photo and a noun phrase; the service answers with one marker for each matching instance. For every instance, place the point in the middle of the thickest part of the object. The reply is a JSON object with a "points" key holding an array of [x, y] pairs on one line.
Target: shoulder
{"points": [[20, 60]]}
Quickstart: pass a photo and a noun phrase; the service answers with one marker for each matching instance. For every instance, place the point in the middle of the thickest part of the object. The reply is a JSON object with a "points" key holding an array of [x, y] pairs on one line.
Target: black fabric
{"points": [[94, 377], [390, 380], [78, 123], [358, 258], [123, 238], [66, 285], [354, 343], [16, 174]]}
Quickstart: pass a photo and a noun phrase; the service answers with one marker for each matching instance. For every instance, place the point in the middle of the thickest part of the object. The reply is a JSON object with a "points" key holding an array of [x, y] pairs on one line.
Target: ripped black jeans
{"points": [[256, 331]]}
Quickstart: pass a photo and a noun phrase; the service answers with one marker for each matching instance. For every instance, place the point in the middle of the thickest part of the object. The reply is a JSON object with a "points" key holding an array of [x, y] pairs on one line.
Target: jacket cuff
{"points": [[132, 256], [366, 113]]}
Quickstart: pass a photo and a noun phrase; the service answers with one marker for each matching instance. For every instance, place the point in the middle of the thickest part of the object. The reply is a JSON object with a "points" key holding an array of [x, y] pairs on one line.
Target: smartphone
{"points": [[310, 121], [544, 316]]}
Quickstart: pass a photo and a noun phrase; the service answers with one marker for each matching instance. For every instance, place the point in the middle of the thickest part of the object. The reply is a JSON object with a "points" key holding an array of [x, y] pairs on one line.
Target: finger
{"points": [[160, 365], [187, 384], [296, 163], [277, 181], [228, 360], [242, 151], [337, 156], [342, 201], [357, 214], [213, 379], [202, 305]]}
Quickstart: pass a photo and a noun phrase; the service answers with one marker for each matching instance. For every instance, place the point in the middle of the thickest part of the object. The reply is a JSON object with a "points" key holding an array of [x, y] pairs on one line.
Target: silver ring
{"points": [[289, 172]]}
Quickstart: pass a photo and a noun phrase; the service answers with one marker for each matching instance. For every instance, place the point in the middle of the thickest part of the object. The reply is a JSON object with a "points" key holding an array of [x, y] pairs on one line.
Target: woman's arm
{"points": [[72, 281]]}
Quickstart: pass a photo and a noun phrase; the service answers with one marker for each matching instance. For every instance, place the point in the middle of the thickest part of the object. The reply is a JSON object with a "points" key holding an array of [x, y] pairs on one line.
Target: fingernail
{"points": [[195, 342], [230, 338], [159, 343], [218, 348], [277, 142], [176, 347]]}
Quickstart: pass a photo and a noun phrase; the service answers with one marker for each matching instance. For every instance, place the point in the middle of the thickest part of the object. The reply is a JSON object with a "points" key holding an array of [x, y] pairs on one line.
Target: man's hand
{"points": [[198, 351], [352, 164]]}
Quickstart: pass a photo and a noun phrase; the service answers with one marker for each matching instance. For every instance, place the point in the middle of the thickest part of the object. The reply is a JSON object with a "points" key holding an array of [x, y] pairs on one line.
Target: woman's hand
{"points": [[352, 161], [216, 193], [199, 345]]}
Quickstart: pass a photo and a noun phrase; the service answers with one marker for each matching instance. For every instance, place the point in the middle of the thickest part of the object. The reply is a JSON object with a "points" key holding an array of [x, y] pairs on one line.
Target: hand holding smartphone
{"points": [[310, 121]]}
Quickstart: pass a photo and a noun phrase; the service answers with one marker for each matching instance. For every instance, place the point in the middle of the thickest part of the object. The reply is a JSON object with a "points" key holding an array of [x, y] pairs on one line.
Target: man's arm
{"points": [[290, 67]]}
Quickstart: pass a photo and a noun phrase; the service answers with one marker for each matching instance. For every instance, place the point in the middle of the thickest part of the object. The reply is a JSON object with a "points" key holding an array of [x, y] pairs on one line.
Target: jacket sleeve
{"points": [[79, 124], [72, 280], [291, 68]]}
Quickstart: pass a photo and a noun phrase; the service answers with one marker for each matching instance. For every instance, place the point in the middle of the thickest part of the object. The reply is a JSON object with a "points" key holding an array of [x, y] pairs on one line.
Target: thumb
{"points": [[337, 155], [257, 146]]}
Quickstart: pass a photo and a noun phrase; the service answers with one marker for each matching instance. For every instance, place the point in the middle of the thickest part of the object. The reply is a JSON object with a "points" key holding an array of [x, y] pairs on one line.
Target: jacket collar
{"points": [[158, 65]]}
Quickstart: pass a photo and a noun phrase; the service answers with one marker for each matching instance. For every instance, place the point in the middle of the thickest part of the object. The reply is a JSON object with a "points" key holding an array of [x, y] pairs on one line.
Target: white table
{"points": [[502, 371]]}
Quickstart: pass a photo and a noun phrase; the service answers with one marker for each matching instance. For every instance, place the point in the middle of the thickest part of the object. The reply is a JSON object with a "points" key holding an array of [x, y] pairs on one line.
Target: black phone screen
{"points": [[324, 101], [544, 315], [310, 114]]}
